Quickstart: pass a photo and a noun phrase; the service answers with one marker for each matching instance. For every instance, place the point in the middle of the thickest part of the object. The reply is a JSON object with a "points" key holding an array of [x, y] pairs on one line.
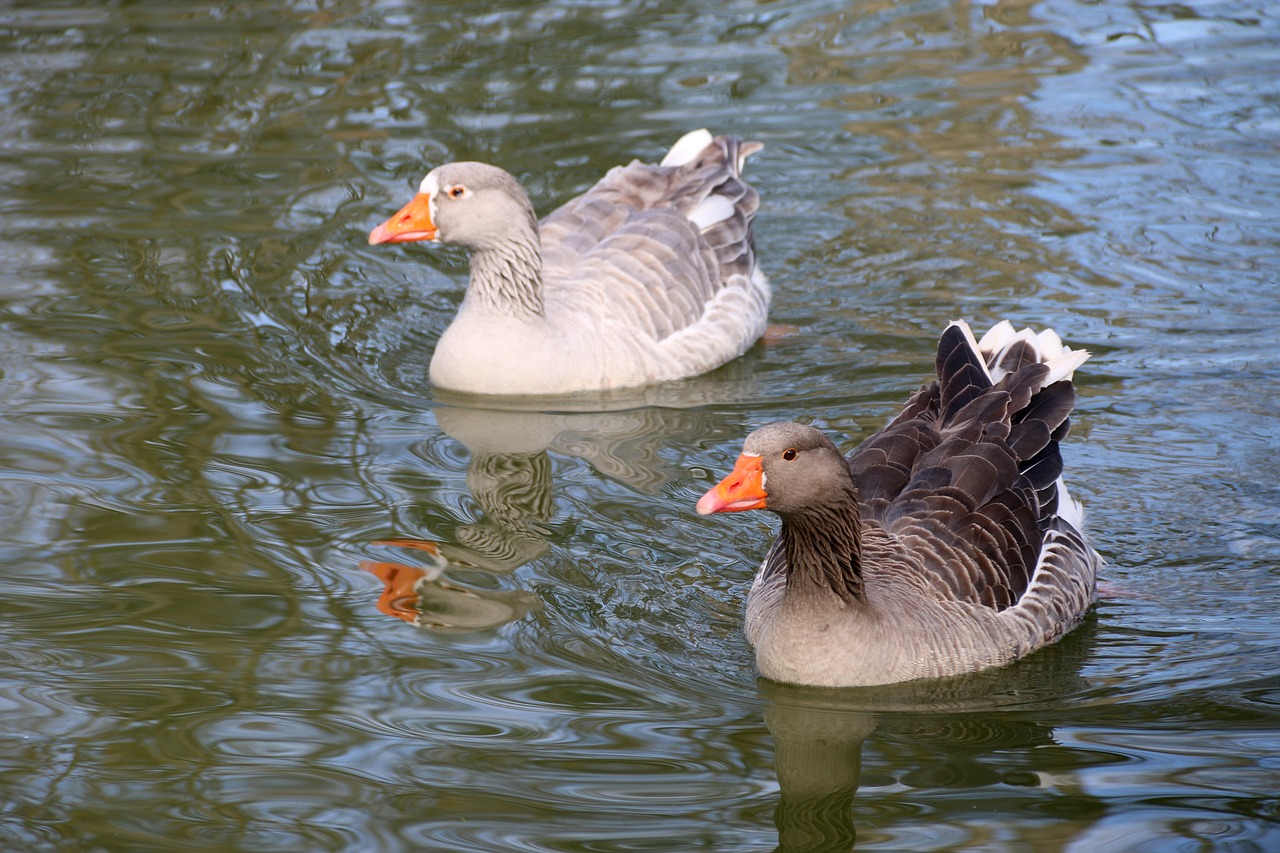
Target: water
{"points": [[220, 463]]}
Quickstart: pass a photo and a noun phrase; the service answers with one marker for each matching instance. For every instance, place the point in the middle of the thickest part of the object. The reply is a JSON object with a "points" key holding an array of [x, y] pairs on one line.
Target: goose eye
{"points": [[457, 192], [789, 454]]}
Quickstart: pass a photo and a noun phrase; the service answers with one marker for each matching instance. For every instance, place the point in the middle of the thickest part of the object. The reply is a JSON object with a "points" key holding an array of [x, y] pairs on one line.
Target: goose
{"points": [[945, 543], [648, 276]]}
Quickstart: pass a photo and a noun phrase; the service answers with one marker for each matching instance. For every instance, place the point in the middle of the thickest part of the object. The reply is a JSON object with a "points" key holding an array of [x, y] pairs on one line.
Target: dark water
{"points": [[220, 625]]}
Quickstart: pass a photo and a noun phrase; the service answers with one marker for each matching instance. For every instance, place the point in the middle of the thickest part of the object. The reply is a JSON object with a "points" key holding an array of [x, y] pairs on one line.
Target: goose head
{"points": [[474, 205], [786, 468]]}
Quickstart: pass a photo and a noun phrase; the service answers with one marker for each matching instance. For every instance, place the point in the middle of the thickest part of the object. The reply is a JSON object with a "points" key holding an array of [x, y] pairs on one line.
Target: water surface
{"points": [[263, 588]]}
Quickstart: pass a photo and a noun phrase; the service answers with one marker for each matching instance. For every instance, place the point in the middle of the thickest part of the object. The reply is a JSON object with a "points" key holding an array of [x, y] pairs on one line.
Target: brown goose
{"points": [[944, 544], [648, 276]]}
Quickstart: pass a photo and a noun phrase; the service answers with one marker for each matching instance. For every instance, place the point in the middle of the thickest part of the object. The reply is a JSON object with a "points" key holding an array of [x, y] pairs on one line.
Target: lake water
{"points": [[221, 624]]}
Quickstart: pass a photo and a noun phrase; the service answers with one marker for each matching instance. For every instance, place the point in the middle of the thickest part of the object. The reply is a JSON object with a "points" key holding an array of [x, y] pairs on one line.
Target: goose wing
{"points": [[658, 244], [967, 477]]}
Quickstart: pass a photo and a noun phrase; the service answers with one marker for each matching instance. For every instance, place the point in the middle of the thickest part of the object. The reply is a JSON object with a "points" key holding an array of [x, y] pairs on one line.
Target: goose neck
{"points": [[507, 278], [824, 551]]}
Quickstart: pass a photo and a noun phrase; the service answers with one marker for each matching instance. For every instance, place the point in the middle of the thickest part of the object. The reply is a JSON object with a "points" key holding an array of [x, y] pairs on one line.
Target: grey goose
{"points": [[648, 276], [945, 543]]}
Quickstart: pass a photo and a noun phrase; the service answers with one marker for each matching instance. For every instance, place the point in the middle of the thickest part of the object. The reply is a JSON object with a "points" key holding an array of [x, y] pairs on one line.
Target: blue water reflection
{"points": [[213, 404]]}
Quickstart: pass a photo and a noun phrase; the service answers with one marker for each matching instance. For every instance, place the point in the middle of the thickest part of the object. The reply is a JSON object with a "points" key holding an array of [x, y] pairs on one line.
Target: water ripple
{"points": [[215, 408]]}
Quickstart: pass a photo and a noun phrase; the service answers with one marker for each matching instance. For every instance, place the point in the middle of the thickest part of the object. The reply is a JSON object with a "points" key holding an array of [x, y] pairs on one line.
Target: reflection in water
{"points": [[211, 384], [425, 597], [513, 491], [620, 433], [818, 757], [950, 733], [509, 476]]}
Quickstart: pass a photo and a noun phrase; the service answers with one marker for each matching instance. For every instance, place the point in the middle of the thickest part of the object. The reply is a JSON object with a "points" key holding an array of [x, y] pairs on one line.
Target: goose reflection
{"points": [[509, 475], [972, 732], [513, 491], [428, 598]]}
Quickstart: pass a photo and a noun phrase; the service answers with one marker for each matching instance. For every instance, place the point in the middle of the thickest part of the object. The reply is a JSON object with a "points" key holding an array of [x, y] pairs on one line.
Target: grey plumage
{"points": [[634, 227], [648, 276], [945, 543]]}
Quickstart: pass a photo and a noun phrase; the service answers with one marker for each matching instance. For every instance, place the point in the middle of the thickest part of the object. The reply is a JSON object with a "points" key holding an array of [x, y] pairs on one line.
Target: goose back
{"points": [[656, 245]]}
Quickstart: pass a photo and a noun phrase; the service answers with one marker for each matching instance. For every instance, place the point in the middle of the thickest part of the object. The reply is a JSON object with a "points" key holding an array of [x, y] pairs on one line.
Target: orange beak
{"points": [[743, 489], [413, 222], [400, 588]]}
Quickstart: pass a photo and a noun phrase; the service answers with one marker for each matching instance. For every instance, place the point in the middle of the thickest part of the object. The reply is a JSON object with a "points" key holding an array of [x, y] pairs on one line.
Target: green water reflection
{"points": [[213, 407]]}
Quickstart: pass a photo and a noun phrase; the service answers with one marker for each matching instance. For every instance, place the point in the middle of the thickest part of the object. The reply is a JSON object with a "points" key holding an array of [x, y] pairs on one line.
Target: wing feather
{"points": [[658, 243], [967, 477]]}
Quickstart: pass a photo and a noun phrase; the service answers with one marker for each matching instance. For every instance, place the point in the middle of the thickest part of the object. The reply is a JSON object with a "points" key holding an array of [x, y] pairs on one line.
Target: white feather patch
{"points": [[710, 211], [1049, 349], [431, 187], [1070, 510], [687, 147], [1063, 366], [997, 337]]}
